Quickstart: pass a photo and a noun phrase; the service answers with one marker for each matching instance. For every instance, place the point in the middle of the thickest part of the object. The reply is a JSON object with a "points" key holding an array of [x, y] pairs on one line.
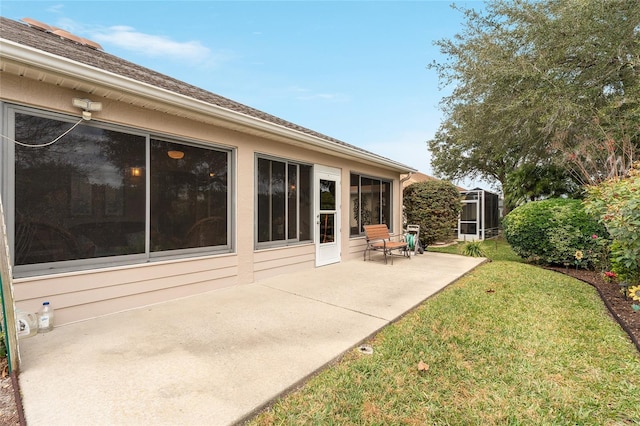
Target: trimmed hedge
{"points": [[556, 231], [435, 206], [616, 202]]}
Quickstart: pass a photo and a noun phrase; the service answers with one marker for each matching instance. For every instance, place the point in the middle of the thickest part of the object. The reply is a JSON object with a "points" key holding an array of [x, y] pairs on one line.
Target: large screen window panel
{"points": [[283, 206], [370, 203], [102, 192]]}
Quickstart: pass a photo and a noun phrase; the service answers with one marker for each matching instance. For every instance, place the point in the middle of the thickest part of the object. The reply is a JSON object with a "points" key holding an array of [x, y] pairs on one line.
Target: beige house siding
{"points": [[271, 262], [356, 247], [84, 294]]}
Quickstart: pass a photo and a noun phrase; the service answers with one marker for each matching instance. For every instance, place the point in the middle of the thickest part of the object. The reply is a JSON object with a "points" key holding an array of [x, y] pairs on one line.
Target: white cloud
{"points": [[128, 38], [56, 8], [155, 46]]}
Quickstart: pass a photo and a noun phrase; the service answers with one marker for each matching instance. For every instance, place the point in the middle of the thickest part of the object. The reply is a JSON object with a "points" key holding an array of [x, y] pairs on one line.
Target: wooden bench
{"points": [[378, 239]]}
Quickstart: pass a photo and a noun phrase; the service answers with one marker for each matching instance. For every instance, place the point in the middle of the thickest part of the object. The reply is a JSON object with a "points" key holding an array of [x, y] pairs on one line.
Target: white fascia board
{"points": [[57, 64]]}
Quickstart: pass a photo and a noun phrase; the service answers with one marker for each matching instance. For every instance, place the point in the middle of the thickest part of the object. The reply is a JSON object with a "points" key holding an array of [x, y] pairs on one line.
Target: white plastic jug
{"points": [[26, 323]]}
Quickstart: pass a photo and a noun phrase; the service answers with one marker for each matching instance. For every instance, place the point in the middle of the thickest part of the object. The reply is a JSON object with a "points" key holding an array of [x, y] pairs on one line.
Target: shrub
{"points": [[556, 231], [617, 203], [435, 206], [473, 249]]}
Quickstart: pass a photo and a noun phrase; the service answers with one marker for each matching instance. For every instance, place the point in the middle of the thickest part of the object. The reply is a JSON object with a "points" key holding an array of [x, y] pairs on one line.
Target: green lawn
{"points": [[495, 249], [509, 343]]}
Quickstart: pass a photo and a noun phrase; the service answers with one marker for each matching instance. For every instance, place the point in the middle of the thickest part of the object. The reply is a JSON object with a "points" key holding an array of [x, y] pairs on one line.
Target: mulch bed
{"points": [[619, 307], [10, 410]]}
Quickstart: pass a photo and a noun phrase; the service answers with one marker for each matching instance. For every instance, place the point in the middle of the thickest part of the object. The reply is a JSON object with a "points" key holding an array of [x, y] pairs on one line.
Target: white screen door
{"points": [[468, 222], [327, 213]]}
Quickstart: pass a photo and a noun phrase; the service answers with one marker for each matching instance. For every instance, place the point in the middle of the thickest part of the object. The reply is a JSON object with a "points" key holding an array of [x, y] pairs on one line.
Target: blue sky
{"points": [[353, 70]]}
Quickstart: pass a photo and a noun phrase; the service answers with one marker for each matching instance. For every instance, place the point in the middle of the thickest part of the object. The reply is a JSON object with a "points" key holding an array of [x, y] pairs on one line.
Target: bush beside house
{"points": [[435, 206], [556, 231]]}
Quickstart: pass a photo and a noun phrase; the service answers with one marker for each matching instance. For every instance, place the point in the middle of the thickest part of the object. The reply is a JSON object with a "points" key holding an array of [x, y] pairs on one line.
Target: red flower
{"points": [[594, 236], [611, 274]]}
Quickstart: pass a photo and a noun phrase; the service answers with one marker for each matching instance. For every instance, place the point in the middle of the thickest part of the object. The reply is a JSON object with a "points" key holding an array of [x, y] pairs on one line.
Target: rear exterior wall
{"points": [[83, 294]]}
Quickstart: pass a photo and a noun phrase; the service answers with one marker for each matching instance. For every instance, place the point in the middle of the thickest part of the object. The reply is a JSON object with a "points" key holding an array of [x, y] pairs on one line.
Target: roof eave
{"points": [[53, 63]]}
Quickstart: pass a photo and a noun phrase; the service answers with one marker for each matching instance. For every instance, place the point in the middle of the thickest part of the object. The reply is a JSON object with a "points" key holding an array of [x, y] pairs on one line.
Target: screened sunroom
{"points": [[480, 215]]}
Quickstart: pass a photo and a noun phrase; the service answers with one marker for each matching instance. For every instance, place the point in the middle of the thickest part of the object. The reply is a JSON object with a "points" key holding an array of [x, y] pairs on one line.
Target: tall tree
{"points": [[534, 82], [534, 182]]}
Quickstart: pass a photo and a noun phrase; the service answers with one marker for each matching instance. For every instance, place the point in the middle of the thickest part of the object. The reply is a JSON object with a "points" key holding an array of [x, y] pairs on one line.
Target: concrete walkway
{"points": [[216, 358]]}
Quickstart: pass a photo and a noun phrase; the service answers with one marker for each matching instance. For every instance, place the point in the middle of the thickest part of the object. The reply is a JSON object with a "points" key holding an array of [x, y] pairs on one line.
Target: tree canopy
{"points": [[541, 84]]}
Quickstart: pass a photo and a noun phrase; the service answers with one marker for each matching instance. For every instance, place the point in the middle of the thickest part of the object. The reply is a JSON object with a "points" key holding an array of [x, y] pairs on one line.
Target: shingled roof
{"points": [[54, 44]]}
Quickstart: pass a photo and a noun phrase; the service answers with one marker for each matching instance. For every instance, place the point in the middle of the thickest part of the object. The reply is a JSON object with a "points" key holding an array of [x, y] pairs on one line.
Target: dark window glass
{"points": [[284, 201], [386, 204], [306, 213], [376, 198], [327, 194], [469, 211], [292, 200], [272, 200], [81, 197], [354, 205], [188, 196], [327, 228], [85, 196], [366, 202], [264, 200], [468, 228], [370, 201], [278, 200]]}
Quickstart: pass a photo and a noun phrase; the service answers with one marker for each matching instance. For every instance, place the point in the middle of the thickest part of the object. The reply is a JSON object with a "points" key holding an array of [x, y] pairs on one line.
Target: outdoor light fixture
{"points": [[176, 155], [87, 106]]}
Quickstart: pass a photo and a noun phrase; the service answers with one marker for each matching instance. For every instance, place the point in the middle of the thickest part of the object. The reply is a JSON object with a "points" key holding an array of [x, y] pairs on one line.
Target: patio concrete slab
{"points": [[215, 358], [373, 288]]}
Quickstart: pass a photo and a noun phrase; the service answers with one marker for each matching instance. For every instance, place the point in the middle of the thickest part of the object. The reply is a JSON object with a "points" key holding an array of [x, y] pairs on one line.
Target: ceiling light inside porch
{"points": [[176, 155]]}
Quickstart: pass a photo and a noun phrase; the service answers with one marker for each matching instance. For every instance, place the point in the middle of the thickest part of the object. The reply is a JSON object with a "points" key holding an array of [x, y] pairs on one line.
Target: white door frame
{"points": [[476, 236], [328, 247]]}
